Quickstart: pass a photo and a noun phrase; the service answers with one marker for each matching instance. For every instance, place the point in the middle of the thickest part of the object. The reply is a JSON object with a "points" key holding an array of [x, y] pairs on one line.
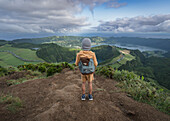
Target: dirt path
{"points": [[58, 99]]}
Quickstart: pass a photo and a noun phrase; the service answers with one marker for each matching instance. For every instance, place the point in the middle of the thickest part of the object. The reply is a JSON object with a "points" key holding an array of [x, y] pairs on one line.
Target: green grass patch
{"points": [[24, 53], [7, 60], [14, 104], [127, 57], [32, 75]]}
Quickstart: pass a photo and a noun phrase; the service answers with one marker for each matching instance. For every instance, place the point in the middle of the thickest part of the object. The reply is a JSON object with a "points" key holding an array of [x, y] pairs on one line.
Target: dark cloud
{"points": [[35, 16], [157, 23]]}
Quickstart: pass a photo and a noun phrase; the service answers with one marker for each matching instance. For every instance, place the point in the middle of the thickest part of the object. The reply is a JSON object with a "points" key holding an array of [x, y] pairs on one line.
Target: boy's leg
{"points": [[83, 87], [90, 87], [90, 78], [83, 78]]}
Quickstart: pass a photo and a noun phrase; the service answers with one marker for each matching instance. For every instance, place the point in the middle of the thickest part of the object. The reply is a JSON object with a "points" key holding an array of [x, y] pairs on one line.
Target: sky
{"points": [[40, 18]]}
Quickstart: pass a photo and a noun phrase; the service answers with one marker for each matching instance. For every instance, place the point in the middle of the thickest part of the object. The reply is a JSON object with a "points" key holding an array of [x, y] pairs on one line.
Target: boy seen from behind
{"points": [[85, 56]]}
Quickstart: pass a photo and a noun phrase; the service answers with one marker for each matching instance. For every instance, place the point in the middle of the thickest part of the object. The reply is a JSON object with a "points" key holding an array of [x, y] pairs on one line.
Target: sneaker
{"points": [[83, 97], [90, 97]]}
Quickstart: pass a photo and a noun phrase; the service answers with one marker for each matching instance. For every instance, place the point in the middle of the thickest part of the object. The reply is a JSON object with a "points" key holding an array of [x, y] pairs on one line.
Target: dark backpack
{"points": [[86, 66]]}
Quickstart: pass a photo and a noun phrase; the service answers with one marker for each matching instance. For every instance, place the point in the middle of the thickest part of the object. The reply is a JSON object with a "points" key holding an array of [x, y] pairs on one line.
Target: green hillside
{"points": [[60, 40], [3, 42], [55, 53], [156, 68], [105, 53], [26, 45], [163, 44], [127, 57]]}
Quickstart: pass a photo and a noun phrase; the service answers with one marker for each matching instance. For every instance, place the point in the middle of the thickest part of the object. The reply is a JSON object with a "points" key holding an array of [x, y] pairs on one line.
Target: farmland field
{"points": [[7, 59]]}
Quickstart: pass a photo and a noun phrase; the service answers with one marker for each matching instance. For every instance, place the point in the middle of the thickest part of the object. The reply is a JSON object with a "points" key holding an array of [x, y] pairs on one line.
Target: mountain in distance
{"points": [[76, 41]]}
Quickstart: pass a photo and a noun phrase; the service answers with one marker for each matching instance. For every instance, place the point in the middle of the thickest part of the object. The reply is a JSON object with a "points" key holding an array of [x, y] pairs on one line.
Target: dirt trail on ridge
{"points": [[57, 98]]}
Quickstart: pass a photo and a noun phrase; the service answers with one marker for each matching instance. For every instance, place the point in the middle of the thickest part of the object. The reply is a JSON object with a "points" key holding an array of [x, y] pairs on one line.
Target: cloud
{"points": [[115, 4], [157, 23], [50, 16]]}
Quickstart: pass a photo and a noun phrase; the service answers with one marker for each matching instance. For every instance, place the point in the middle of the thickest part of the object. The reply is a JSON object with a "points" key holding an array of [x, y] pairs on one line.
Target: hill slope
{"points": [[55, 53], [58, 98], [156, 68], [105, 53]]}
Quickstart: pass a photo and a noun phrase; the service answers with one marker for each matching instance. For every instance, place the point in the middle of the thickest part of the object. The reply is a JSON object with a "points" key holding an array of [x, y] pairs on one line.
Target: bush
{"points": [[3, 71], [53, 70], [42, 69], [106, 71], [49, 68]]}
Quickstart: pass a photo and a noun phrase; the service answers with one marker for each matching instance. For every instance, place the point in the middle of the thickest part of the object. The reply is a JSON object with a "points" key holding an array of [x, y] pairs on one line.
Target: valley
{"points": [[141, 75], [117, 52]]}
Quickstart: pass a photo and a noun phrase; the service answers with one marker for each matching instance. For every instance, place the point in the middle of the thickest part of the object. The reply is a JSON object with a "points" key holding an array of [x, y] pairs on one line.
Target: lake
{"points": [[133, 47]]}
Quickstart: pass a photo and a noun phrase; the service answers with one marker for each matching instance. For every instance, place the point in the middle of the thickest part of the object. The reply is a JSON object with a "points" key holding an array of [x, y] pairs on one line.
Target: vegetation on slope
{"points": [[55, 53], [3, 71], [26, 45], [167, 54], [47, 68], [13, 103], [105, 52], [137, 88], [149, 42], [3, 42], [153, 67]]}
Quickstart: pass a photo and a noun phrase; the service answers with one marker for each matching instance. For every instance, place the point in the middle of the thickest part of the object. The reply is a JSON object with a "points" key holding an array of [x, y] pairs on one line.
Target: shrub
{"points": [[3, 71], [11, 70], [106, 71], [42, 69], [49, 68], [53, 70]]}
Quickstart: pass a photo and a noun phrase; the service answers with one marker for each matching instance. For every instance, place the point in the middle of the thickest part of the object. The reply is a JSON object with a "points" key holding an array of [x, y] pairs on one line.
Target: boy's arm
{"points": [[77, 60], [95, 60]]}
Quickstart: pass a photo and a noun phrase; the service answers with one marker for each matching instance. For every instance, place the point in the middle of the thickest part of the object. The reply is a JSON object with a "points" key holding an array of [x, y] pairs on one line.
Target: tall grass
{"points": [[138, 89]]}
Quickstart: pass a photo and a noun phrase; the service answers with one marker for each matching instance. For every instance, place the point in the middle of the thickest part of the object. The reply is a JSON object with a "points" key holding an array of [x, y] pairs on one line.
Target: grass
{"points": [[14, 104], [7, 59], [33, 75], [138, 89], [24, 53], [127, 57]]}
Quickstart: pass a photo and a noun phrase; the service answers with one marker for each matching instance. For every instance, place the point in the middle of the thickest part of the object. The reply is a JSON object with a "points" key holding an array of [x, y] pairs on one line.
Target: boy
{"points": [[85, 52]]}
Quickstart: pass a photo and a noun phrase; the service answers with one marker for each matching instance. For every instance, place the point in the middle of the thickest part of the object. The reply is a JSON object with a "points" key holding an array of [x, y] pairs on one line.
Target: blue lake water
{"points": [[133, 47]]}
